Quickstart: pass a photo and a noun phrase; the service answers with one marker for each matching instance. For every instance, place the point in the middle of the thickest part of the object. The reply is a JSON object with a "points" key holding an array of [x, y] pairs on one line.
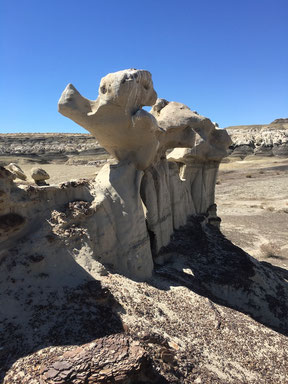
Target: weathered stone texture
{"points": [[112, 359]]}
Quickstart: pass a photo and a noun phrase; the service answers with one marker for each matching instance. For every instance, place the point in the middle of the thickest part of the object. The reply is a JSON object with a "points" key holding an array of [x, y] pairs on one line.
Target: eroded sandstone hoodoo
{"points": [[39, 175], [136, 204], [170, 191]]}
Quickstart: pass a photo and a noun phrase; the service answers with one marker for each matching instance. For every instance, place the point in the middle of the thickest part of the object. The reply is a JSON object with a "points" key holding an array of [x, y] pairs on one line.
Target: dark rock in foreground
{"points": [[210, 313], [116, 358]]}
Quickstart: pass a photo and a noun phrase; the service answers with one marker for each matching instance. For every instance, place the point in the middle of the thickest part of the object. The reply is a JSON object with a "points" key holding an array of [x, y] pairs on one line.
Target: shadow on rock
{"points": [[203, 260], [283, 273]]}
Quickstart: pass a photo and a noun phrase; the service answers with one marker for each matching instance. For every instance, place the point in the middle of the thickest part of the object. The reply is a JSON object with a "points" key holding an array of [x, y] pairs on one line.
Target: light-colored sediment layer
{"points": [[259, 140], [47, 148]]}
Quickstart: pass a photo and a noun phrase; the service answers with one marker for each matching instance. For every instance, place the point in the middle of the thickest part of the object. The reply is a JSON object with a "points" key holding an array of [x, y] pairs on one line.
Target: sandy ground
{"points": [[60, 173], [252, 199]]}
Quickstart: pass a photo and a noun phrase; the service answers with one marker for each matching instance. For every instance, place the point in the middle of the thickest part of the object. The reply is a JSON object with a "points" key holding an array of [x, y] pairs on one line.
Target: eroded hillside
{"points": [[260, 140]]}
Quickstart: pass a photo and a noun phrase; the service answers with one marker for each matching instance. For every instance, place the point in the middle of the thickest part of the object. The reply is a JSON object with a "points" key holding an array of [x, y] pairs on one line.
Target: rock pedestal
{"points": [[136, 212]]}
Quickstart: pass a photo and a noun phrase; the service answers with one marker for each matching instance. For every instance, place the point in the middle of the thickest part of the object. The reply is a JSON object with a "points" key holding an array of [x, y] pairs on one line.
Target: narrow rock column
{"points": [[122, 239]]}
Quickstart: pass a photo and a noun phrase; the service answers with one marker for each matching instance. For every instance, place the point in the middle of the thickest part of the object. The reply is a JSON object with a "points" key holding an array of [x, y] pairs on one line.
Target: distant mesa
{"points": [[280, 121]]}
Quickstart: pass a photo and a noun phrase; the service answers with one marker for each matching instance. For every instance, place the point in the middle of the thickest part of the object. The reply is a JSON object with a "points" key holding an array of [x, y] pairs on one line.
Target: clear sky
{"points": [[227, 59]]}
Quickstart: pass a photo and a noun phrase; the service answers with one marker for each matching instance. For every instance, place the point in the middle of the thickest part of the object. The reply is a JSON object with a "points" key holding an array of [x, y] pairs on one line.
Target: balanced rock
{"points": [[17, 171], [39, 175]]}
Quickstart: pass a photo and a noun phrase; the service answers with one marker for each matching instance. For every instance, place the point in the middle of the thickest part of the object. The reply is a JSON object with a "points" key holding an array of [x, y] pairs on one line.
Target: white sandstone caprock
{"points": [[116, 119], [17, 171], [183, 128]]}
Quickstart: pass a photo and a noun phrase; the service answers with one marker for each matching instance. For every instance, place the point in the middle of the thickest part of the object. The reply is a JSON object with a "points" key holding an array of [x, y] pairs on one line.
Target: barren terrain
{"points": [[251, 195], [193, 317], [252, 199]]}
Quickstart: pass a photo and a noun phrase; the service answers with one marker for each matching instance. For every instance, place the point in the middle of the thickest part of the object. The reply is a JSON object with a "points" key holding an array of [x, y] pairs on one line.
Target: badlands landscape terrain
{"points": [[251, 189], [190, 335], [113, 268], [252, 193]]}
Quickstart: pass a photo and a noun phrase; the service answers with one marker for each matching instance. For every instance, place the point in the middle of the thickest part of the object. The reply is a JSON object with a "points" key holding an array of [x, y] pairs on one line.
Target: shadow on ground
{"points": [[205, 261], [66, 307]]}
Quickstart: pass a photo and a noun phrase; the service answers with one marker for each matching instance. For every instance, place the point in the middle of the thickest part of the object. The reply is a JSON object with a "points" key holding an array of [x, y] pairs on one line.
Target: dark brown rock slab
{"points": [[112, 359]]}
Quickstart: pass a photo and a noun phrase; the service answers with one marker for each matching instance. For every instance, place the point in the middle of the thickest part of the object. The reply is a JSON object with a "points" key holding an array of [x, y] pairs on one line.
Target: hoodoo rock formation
{"points": [[170, 190]]}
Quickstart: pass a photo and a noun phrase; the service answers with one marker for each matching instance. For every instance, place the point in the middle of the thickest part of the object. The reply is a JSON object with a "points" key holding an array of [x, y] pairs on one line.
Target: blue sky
{"points": [[227, 59]]}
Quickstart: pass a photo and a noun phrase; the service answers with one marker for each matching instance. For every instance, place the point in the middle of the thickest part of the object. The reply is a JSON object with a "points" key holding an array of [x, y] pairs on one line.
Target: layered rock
{"points": [[24, 208], [48, 147], [259, 140], [195, 318], [116, 358]]}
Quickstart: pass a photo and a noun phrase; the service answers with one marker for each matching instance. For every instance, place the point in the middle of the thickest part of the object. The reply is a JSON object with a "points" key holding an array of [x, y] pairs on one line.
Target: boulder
{"points": [[17, 171], [39, 175], [112, 359]]}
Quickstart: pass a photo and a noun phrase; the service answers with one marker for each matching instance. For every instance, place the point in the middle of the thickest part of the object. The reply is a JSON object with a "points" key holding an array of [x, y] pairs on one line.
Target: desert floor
{"points": [[252, 199]]}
